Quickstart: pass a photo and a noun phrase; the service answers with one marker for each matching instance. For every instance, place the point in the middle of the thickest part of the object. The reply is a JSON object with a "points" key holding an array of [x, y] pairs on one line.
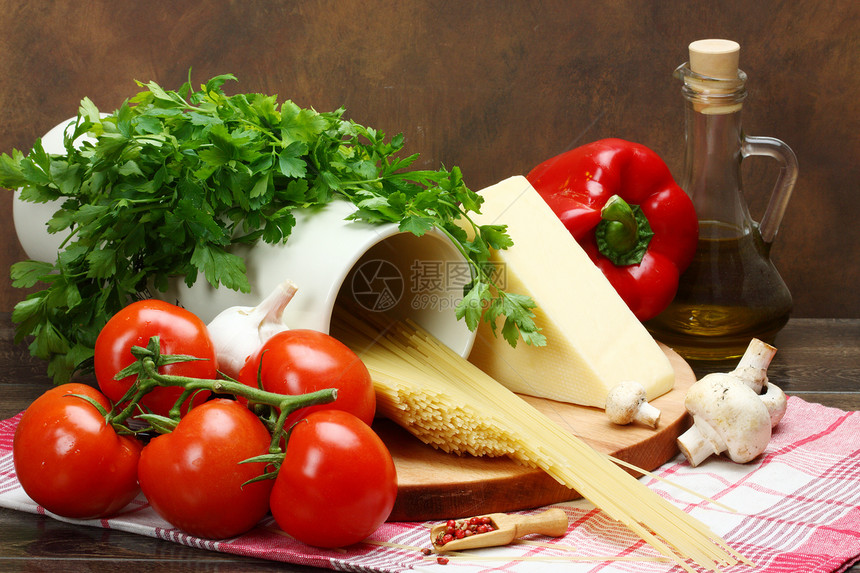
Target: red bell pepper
{"points": [[621, 204]]}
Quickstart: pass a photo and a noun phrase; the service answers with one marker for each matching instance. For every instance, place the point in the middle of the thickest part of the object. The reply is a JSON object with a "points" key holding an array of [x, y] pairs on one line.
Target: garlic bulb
{"points": [[238, 331]]}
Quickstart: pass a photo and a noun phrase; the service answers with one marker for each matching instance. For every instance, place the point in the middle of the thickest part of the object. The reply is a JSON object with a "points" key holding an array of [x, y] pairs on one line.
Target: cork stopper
{"points": [[715, 78], [715, 58]]}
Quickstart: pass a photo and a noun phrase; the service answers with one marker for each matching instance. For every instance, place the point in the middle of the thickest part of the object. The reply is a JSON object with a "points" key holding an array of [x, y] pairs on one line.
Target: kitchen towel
{"points": [[795, 508]]}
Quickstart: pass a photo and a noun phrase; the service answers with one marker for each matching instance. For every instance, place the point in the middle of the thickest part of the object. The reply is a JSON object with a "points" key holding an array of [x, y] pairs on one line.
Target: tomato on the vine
{"points": [[192, 476], [302, 361], [337, 483], [179, 331], [69, 460]]}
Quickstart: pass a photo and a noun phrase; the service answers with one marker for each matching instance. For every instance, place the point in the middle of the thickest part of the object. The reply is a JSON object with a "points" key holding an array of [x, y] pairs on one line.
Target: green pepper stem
{"points": [[624, 233], [622, 230]]}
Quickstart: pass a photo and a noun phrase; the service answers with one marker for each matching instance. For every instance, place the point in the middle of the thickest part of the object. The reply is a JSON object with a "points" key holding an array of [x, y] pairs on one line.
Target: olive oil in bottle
{"points": [[731, 292]]}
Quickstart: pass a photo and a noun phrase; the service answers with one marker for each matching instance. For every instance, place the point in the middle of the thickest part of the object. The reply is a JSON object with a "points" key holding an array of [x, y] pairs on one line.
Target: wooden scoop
{"points": [[552, 522]]}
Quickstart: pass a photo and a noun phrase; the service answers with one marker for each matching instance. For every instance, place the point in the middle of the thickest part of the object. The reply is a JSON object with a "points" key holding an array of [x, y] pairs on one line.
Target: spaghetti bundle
{"points": [[450, 404]]}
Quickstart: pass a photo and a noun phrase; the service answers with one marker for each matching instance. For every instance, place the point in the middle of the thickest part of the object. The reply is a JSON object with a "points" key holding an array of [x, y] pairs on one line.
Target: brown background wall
{"points": [[494, 87]]}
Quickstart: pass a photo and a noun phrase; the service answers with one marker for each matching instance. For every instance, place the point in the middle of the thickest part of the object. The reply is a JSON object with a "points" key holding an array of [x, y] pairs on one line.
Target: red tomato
{"points": [[69, 460], [192, 476], [337, 482], [301, 361], [179, 331]]}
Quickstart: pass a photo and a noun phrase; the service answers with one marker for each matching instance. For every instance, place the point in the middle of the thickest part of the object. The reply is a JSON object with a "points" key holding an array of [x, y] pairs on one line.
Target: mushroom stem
{"points": [[752, 368], [695, 446], [647, 414]]}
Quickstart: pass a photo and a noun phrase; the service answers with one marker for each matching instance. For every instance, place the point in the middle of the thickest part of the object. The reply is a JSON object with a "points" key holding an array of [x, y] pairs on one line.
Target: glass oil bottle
{"points": [[732, 291]]}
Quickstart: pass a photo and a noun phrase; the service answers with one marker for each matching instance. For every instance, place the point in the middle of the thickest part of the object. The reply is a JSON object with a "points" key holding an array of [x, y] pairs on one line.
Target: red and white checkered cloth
{"points": [[795, 509]]}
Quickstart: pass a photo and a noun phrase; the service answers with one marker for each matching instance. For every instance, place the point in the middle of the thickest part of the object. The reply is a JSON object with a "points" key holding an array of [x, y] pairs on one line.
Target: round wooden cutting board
{"points": [[435, 485]]}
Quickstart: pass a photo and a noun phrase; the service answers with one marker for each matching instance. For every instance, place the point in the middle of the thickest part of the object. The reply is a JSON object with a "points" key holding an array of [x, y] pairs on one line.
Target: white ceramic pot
{"points": [[376, 267], [31, 219]]}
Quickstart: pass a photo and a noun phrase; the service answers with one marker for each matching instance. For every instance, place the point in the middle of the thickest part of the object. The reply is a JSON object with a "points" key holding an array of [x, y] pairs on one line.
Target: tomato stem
{"points": [[278, 432], [131, 399], [149, 360], [285, 402]]}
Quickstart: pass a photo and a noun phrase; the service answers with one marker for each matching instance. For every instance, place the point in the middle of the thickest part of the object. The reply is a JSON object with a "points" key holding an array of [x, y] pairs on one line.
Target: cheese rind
{"points": [[593, 339]]}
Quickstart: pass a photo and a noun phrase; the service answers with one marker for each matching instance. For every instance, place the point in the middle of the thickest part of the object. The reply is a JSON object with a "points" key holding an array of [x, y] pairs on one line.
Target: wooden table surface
{"points": [[817, 360]]}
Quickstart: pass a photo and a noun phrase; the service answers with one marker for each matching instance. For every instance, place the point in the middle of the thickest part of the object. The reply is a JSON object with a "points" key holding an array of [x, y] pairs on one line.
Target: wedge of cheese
{"points": [[593, 340]]}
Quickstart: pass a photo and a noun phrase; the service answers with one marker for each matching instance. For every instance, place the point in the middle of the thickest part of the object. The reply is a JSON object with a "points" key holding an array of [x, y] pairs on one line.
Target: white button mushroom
{"points": [[727, 417], [752, 371], [729, 412], [775, 401], [627, 403]]}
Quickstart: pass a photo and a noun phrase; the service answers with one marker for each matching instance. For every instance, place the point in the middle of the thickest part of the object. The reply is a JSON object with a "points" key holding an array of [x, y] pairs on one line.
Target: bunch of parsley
{"points": [[167, 183]]}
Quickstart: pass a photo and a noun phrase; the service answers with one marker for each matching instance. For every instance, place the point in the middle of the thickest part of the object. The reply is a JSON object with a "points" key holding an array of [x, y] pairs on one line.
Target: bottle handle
{"points": [[771, 147]]}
